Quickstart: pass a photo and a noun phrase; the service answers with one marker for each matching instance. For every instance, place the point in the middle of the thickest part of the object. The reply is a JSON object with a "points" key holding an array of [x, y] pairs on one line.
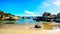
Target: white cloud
{"points": [[28, 12], [56, 2], [48, 3]]}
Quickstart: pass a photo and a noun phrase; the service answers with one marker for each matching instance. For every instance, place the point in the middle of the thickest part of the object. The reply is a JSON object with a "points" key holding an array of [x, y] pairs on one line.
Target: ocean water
{"points": [[26, 21], [23, 21]]}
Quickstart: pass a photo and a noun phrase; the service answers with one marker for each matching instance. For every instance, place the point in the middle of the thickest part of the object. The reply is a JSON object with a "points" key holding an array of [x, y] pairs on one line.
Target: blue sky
{"points": [[30, 7]]}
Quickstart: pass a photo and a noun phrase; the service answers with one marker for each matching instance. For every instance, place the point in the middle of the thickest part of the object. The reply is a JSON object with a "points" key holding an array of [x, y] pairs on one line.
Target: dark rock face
{"points": [[57, 19], [46, 19], [36, 26], [28, 17], [38, 18], [25, 17], [46, 14], [22, 17], [58, 15]]}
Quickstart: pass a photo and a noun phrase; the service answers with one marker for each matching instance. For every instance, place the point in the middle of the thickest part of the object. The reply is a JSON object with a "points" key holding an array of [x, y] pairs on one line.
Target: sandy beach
{"points": [[25, 29]]}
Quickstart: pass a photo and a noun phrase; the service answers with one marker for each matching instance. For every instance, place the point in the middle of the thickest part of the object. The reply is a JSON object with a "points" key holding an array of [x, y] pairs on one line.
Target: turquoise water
{"points": [[22, 21], [26, 21]]}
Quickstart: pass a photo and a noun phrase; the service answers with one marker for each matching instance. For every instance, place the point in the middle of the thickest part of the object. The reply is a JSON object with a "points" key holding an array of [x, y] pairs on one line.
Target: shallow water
{"points": [[23, 21]]}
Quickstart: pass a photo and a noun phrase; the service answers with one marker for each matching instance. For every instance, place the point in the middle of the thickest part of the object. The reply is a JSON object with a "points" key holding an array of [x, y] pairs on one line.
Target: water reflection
{"points": [[22, 21], [1, 22], [26, 21], [7, 22]]}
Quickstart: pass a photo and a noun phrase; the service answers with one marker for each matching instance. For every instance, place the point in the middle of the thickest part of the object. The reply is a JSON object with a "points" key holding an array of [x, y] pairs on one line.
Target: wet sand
{"points": [[25, 29]]}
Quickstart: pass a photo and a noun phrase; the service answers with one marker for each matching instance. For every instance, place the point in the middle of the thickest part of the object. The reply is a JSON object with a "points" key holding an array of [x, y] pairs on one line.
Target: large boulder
{"points": [[36, 26], [38, 18]]}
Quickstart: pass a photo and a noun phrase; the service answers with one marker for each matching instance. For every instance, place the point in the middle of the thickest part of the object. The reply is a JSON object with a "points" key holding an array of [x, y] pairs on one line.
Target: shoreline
{"points": [[25, 29], [28, 26]]}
